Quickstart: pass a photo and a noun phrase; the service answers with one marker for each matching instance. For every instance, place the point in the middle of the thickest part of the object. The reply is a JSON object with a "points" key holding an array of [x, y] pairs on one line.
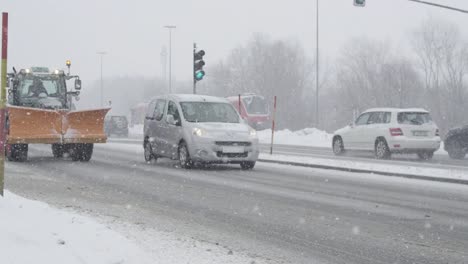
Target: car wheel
{"points": [[184, 156], [149, 155], [381, 149], [338, 146], [247, 165], [426, 155], [456, 152]]}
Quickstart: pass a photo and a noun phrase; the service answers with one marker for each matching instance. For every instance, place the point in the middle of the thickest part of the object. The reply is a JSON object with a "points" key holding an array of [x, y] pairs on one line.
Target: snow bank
{"points": [[33, 232], [445, 172], [311, 137]]}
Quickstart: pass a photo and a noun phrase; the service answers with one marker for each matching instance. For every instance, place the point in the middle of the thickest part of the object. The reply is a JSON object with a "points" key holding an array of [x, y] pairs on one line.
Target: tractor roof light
{"points": [[68, 63]]}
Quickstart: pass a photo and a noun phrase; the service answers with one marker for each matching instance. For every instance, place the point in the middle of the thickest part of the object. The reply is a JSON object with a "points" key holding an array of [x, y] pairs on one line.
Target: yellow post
{"points": [[3, 100]]}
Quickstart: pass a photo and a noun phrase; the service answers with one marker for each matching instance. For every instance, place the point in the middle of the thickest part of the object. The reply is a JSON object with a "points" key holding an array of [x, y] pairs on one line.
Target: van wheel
{"points": [[149, 155], [184, 156], [426, 155], [381, 149], [247, 165], [338, 146]]}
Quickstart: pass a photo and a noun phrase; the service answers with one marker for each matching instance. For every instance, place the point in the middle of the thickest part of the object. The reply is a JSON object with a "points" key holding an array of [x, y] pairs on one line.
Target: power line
{"points": [[439, 5]]}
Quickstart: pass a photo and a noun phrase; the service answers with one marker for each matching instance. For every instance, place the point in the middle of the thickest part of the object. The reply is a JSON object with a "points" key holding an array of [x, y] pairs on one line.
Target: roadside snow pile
{"points": [[33, 232], [311, 137], [136, 130], [439, 171]]}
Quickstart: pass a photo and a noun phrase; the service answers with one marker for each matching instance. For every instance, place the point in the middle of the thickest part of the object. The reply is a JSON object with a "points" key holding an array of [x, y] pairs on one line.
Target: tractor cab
{"points": [[38, 87]]}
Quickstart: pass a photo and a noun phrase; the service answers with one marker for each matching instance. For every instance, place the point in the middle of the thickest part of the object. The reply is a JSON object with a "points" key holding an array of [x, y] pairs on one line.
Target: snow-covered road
{"points": [[273, 214]]}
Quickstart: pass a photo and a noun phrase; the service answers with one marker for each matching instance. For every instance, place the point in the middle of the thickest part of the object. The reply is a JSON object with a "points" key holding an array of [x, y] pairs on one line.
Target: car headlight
{"points": [[199, 132], [253, 132]]}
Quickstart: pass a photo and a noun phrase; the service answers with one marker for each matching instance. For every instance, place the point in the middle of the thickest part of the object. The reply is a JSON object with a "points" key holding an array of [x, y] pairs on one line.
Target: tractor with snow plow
{"points": [[40, 110]]}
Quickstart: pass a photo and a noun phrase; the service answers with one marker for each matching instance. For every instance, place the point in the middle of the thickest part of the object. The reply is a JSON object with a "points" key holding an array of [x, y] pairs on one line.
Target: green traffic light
{"points": [[199, 75]]}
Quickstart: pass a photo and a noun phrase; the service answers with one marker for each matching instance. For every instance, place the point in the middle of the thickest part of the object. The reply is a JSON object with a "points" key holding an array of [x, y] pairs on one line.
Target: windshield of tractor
{"points": [[41, 87]]}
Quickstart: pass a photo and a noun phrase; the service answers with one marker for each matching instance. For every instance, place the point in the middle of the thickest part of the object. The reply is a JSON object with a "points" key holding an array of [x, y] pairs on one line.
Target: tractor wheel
{"points": [[58, 150], [81, 151], [17, 152]]}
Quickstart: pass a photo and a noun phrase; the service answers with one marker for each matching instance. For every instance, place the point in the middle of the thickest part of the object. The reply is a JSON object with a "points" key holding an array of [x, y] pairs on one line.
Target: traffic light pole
{"points": [[194, 80]]}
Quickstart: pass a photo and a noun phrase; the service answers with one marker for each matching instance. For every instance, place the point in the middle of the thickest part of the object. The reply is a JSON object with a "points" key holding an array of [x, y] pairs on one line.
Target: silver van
{"points": [[198, 129]]}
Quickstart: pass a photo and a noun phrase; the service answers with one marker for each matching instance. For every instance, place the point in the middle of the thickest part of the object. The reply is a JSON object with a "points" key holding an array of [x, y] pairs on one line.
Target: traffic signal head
{"points": [[198, 63], [199, 75], [359, 2]]}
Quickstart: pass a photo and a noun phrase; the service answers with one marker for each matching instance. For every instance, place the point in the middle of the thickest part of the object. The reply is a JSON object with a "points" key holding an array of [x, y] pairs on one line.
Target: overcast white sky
{"points": [[48, 32]]}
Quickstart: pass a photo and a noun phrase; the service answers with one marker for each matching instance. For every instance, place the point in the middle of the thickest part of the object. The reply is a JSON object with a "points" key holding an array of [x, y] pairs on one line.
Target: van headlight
{"points": [[199, 132], [253, 132]]}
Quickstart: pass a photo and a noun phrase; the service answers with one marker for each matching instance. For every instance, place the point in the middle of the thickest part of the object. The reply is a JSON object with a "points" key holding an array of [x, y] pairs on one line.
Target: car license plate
{"points": [[420, 133], [233, 149]]}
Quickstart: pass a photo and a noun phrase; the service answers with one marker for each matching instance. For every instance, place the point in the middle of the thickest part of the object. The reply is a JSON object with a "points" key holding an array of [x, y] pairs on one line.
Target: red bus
{"points": [[254, 109]]}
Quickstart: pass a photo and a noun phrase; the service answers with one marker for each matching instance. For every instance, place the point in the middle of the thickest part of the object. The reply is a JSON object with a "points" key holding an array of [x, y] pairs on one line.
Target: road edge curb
{"points": [[383, 173]]}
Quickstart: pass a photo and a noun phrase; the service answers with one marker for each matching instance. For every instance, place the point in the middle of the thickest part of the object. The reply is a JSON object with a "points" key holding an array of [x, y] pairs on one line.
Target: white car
{"points": [[390, 130], [198, 128]]}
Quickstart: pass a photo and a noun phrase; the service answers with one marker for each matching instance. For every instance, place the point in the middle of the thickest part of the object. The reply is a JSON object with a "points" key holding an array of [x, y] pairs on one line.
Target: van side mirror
{"points": [[77, 84]]}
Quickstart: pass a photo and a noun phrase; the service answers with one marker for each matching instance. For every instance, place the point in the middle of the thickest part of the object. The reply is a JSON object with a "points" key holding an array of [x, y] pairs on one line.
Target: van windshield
{"points": [[203, 112], [255, 105]]}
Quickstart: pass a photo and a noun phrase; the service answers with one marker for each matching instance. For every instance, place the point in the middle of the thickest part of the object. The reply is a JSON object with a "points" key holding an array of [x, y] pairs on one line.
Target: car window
{"points": [[375, 118], [414, 118], [172, 110], [159, 109], [362, 119]]}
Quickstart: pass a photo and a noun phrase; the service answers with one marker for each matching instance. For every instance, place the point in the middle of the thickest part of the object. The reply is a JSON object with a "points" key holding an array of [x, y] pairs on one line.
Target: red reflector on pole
{"points": [[273, 125], [3, 99]]}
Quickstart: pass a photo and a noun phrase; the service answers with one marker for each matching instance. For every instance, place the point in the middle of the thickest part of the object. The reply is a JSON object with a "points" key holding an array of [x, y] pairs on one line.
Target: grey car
{"points": [[198, 129]]}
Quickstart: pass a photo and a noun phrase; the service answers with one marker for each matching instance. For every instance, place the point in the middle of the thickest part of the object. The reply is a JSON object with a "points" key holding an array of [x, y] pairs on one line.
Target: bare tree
{"points": [[370, 74], [443, 59], [269, 67]]}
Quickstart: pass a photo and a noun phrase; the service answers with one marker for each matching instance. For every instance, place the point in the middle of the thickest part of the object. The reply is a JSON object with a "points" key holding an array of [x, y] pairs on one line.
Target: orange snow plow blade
{"points": [[85, 126], [31, 125]]}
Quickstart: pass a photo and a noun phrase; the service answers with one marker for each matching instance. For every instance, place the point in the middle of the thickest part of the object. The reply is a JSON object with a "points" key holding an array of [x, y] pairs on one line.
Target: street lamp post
{"points": [[317, 72], [170, 27], [102, 53]]}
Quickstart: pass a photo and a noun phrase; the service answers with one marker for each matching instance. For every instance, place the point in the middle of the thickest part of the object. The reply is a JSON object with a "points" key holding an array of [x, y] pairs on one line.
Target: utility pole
{"points": [[102, 53], [170, 27], [163, 58], [317, 72]]}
